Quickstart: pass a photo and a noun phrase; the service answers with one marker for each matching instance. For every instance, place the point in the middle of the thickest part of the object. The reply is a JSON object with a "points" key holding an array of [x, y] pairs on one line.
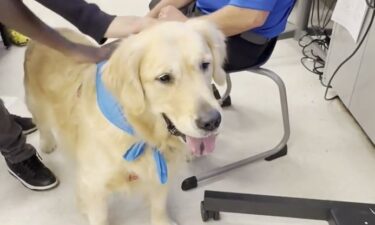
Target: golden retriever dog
{"points": [[159, 78]]}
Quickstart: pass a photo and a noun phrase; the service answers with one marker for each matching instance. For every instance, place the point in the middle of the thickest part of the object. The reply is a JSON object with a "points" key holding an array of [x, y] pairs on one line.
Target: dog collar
{"points": [[172, 129], [114, 113]]}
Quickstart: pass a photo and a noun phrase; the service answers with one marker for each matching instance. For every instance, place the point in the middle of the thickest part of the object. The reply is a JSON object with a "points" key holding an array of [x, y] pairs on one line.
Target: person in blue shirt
{"points": [[250, 25]]}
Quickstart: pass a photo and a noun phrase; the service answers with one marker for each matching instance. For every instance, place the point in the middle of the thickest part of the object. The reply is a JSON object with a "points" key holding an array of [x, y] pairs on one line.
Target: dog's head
{"points": [[168, 70]]}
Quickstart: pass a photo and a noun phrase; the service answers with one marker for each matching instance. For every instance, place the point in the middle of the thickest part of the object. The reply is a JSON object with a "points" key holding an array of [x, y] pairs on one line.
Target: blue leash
{"points": [[114, 113]]}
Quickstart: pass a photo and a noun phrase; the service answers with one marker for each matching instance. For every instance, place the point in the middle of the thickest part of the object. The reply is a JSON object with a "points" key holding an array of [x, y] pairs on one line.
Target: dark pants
{"points": [[12, 142], [4, 36], [241, 54]]}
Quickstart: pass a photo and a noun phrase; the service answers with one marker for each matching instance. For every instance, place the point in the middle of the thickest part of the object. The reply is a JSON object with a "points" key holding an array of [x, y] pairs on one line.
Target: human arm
{"points": [[15, 14], [230, 19], [154, 12], [234, 20], [123, 26], [94, 22]]}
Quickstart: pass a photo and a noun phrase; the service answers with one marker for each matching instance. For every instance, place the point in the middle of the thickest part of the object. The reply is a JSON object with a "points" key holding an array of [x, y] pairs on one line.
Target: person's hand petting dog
{"points": [[16, 15], [90, 54], [171, 13]]}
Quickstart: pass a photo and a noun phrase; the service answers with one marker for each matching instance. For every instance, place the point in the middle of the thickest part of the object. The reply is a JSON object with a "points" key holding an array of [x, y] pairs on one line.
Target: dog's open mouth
{"points": [[201, 146], [198, 146]]}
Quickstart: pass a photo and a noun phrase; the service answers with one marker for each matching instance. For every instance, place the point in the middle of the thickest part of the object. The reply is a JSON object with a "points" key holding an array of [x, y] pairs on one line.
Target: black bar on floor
{"points": [[281, 206]]}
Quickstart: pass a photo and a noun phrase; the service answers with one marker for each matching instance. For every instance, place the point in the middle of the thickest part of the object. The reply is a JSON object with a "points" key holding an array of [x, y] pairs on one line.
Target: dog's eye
{"points": [[205, 65], [165, 78]]}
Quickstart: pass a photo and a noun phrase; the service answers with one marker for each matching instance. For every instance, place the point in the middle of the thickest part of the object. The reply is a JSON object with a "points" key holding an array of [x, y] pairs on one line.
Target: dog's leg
{"points": [[92, 200], [47, 140], [158, 204]]}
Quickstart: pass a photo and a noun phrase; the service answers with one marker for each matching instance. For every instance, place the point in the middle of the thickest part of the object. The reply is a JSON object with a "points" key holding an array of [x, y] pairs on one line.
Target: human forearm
{"points": [[163, 3], [123, 26], [87, 17], [16, 15], [92, 21], [234, 20], [231, 20]]}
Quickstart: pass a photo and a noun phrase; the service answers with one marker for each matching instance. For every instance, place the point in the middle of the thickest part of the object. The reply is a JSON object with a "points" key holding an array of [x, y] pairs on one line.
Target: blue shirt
{"points": [[276, 21]]}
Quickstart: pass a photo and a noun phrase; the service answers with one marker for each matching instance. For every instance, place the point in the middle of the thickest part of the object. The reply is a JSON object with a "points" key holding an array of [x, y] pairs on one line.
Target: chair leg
{"points": [[278, 151], [225, 100]]}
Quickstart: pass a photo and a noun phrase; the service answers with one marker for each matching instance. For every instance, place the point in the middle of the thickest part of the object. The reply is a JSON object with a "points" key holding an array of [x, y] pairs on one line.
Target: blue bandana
{"points": [[114, 113]]}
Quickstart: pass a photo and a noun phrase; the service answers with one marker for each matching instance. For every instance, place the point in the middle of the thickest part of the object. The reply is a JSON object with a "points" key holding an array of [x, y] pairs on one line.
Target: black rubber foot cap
{"points": [[227, 102], [342, 216], [216, 92], [281, 153], [189, 183]]}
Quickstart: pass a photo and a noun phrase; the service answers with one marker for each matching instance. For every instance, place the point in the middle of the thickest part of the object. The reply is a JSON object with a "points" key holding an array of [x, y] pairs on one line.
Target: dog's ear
{"points": [[216, 42], [123, 78]]}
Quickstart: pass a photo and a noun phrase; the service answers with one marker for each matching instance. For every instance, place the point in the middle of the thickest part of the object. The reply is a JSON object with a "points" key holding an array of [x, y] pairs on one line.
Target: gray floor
{"points": [[329, 157]]}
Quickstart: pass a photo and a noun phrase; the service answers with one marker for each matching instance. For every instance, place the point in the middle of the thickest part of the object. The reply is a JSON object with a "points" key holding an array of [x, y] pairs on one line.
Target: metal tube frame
{"points": [[279, 150]]}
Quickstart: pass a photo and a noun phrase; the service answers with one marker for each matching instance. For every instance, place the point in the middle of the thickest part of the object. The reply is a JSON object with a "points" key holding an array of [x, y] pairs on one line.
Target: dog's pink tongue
{"points": [[201, 146]]}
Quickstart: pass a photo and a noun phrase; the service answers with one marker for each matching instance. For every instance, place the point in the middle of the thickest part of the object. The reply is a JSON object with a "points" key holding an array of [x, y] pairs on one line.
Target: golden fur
{"points": [[61, 96]]}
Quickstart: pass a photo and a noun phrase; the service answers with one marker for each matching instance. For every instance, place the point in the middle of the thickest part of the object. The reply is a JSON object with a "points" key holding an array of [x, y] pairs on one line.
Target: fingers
{"points": [[105, 52], [166, 11], [112, 45], [161, 15], [171, 13]]}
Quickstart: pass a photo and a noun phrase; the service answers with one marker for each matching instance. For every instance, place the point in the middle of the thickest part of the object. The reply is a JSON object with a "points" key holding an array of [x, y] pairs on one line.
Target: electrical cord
{"points": [[319, 38], [328, 16], [322, 19], [371, 5]]}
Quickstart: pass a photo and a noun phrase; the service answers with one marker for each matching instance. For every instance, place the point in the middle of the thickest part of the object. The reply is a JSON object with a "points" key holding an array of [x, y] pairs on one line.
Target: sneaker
{"points": [[33, 174], [26, 124], [17, 38]]}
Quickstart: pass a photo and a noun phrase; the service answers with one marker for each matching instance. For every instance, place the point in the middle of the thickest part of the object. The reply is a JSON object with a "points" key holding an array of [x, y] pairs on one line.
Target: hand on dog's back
{"points": [[91, 54]]}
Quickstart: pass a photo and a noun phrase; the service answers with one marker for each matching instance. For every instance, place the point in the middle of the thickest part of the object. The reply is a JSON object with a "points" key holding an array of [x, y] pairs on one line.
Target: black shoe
{"points": [[26, 124], [33, 174]]}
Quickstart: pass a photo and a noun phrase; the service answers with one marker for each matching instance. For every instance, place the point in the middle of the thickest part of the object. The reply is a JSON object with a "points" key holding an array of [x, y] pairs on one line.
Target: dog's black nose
{"points": [[209, 121]]}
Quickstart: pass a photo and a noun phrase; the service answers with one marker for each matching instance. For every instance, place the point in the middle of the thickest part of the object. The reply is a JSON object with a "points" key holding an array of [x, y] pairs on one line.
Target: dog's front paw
{"points": [[47, 146]]}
